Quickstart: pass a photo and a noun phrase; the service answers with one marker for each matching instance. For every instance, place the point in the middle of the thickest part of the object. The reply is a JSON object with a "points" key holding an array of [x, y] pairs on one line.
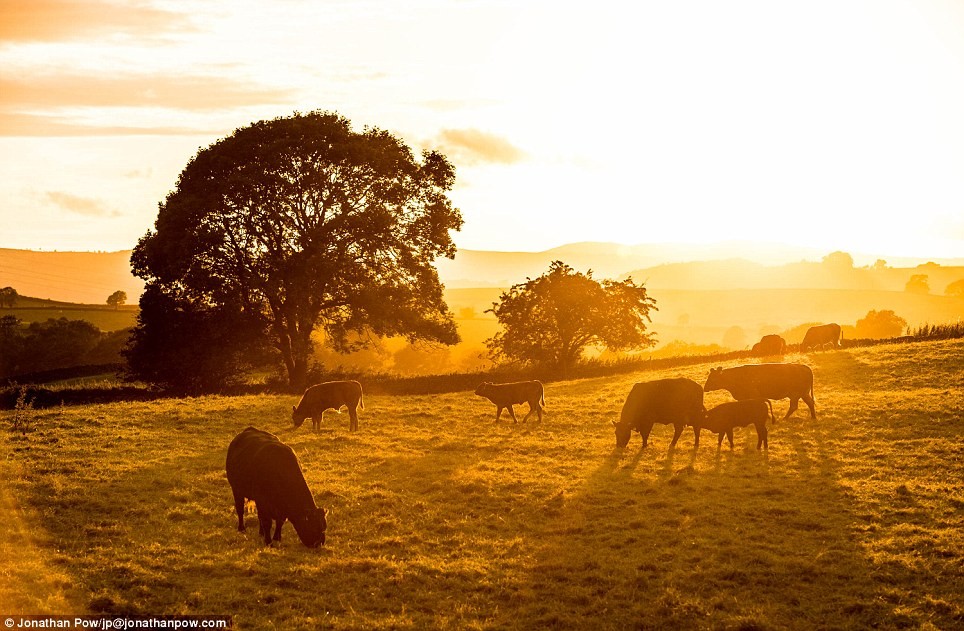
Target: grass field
{"points": [[442, 519]]}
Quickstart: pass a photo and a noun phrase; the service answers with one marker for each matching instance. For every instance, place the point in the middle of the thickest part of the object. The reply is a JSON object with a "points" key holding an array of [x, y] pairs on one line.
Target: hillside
{"points": [[440, 518], [78, 277], [89, 277]]}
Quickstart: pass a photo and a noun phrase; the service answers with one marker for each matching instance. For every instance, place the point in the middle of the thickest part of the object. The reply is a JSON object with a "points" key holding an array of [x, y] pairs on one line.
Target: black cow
{"points": [[262, 468], [820, 336], [766, 381], [671, 401]]}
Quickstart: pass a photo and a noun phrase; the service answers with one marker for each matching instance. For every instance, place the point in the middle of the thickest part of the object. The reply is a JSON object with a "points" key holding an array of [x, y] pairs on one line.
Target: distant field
{"points": [[106, 319], [442, 519]]}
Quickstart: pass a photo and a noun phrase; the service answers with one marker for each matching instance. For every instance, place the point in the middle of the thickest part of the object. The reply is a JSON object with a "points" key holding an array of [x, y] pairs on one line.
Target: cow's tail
{"points": [[773, 420], [361, 399], [542, 399]]}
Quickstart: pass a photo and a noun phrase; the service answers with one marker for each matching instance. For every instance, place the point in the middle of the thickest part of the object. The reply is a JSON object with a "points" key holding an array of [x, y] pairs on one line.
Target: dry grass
{"points": [[442, 519]]}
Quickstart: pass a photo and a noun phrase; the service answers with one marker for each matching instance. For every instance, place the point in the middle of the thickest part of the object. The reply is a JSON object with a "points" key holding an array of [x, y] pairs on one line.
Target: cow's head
{"points": [[623, 432], [483, 387], [311, 527], [297, 417], [714, 381]]}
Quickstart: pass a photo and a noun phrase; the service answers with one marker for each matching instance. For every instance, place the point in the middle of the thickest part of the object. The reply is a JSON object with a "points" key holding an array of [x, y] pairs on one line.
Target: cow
{"points": [[770, 345], [820, 336], [766, 381], [262, 468], [504, 395], [331, 395], [678, 402], [726, 416]]}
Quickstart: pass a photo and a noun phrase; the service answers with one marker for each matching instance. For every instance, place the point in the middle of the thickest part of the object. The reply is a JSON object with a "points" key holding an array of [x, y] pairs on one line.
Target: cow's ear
{"points": [[613, 422], [293, 409]]}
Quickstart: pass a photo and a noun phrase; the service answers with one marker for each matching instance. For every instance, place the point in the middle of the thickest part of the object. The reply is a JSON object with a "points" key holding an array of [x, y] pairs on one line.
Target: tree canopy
{"points": [[117, 298], [300, 222], [554, 318], [8, 297]]}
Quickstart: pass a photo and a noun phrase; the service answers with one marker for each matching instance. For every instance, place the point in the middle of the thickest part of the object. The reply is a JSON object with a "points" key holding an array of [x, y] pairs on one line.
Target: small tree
{"points": [[917, 284], [117, 298], [880, 324], [552, 319], [955, 289], [8, 297]]}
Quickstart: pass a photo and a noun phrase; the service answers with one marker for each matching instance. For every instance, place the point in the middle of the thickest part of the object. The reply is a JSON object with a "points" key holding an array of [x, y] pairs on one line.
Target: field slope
{"points": [[442, 519]]}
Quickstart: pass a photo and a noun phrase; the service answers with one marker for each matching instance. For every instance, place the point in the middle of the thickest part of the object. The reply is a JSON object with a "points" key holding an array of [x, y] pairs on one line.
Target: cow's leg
{"points": [[264, 526], [528, 414], [644, 432], [239, 508], [277, 532], [761, 435], [498, 413], [810, 404], [719, 440], [696, 435], [729, 436], [353, 415], [794, 403], [512, 414], [677, 432]]}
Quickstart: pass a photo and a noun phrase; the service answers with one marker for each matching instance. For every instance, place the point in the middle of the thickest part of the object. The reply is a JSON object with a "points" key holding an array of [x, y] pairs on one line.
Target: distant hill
{"points": [[89, 277], [77, 277], [683, 266]]}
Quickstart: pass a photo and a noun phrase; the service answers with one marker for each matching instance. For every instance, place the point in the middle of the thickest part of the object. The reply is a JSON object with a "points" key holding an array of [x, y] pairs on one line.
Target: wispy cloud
{"points": [[472, 146], [57, 20], [192, 93], [37, 125], [80, 205]]}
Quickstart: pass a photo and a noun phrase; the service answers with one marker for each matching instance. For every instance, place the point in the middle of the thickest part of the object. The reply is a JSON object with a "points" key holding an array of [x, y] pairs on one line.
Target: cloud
{"points": [[57, 20], [192, 93], [472, 146], [35, 125], [81, 205]]}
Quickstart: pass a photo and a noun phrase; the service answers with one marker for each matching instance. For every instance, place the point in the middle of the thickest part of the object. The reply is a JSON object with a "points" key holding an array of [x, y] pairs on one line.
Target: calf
{"points": [[262, 468], [331, 395], [723, 418], [504, 395]]}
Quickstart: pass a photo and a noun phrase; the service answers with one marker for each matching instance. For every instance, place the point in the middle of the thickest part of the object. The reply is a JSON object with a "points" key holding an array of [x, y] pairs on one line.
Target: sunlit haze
{"points": [[826, 124]]}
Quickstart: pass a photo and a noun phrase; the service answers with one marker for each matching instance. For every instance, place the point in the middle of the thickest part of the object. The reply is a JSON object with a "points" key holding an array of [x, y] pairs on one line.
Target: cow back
{"points": [[767, 381]]}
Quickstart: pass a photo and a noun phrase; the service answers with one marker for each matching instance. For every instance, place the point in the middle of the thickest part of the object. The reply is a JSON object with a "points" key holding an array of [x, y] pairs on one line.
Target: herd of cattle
{"points": [[263, 469]]}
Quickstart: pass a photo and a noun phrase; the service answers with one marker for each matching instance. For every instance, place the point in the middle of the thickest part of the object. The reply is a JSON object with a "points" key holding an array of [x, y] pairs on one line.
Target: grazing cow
{"points": [[766, 381], [670, 401], [820, 336], [504, 395], [724, 417], [331, 395], [262, 468], [770, 345]]}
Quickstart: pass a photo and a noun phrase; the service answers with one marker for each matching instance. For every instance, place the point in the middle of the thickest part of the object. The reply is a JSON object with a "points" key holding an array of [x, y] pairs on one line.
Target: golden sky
{"points": [[827, 123]]}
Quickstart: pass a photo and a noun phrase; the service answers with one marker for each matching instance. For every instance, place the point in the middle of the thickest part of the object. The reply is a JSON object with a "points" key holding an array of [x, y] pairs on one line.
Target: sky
{"points": [[834, 124]]}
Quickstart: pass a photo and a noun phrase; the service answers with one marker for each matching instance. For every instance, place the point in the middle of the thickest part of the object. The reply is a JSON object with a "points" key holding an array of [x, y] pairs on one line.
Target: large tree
{"points": [[552, 319], [301, 222]]}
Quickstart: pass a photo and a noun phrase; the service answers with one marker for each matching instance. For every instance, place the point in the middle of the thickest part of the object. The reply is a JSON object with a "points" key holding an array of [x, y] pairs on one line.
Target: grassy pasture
{"points": [[442, 519]]}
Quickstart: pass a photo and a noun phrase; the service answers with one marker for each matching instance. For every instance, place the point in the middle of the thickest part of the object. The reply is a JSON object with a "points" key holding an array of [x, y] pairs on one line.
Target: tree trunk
{"points": [[298, 374]]}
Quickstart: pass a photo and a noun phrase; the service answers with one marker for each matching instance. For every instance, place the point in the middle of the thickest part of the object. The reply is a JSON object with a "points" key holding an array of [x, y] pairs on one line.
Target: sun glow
{"points": [[825, 124]]}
